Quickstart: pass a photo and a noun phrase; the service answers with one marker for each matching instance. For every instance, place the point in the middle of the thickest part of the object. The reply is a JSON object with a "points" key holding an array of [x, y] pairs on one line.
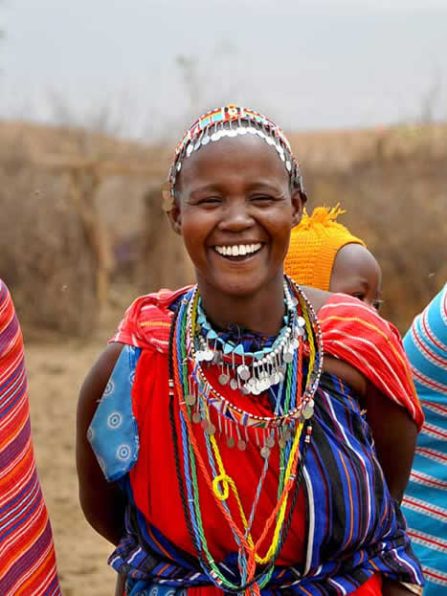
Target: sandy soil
{"points": [[56, 370]]}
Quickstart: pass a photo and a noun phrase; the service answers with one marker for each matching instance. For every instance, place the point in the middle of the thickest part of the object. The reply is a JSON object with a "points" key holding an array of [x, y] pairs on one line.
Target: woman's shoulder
{"points": [[317, 298], [341, 310], [348, 322], [356, 334], [147, 321]]}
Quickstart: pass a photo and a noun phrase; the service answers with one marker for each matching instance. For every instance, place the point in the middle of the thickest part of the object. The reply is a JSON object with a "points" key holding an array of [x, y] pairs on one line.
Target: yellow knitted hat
{"points": [[314, 244]]}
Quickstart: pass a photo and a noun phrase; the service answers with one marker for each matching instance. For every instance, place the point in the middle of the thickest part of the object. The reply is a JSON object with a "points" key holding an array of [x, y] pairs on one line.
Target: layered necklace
{"points": [[242, 363]]}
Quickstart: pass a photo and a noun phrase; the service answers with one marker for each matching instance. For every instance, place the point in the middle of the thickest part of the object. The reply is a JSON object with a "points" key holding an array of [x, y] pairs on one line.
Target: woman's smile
{"points": [[238, 252]]}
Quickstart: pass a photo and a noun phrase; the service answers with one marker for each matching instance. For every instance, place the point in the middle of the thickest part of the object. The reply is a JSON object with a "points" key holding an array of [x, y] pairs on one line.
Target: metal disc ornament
{"points": [[241, 445], [210, 429], [308, 410], [265, 452], [223, 379], [243, 371]]}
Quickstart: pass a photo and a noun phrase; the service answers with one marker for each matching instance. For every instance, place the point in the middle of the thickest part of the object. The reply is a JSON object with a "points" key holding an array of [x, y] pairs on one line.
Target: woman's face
{"points": [[235, 212]]}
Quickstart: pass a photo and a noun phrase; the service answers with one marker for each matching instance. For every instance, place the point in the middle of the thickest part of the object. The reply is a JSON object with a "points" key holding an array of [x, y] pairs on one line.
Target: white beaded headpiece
{"points": [[229, 122]]}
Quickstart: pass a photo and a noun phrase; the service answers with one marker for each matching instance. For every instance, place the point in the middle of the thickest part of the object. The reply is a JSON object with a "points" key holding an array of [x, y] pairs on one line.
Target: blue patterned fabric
{"points": [[113, 432], [141, 589], [425, 502]]}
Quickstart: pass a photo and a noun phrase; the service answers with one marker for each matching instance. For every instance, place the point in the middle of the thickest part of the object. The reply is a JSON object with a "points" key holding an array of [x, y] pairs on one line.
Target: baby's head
{"points": [[324, 254]]}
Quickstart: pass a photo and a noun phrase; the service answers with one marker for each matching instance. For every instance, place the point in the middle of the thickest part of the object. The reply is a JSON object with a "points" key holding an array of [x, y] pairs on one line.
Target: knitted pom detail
{"points": [[314, 244], [325, 216]]}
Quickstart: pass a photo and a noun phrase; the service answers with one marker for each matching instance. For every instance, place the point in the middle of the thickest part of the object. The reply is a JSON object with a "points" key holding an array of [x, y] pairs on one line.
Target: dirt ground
{"points": [[56, 369]]}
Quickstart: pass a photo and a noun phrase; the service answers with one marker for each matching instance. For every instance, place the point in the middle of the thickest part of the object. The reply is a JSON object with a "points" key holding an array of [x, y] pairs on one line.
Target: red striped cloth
{"points": [[27, 559], [352, 331], [147, 321], [355, 333]]}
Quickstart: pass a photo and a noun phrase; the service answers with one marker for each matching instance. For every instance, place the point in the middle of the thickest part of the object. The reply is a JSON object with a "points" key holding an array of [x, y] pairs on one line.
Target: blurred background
{"points": [[94, 95]]}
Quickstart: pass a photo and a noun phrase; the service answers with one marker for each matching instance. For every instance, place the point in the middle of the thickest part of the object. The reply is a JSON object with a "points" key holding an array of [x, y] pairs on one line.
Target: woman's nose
{"points": [[236, 217]]}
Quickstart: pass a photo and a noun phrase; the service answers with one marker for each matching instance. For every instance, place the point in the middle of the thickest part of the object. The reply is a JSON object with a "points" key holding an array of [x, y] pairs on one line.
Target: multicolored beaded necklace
{"points": [[200, 403]]}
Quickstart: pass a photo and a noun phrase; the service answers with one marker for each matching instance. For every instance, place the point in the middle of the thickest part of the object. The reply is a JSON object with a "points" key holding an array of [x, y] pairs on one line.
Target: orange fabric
{"points": [[313, 248]]}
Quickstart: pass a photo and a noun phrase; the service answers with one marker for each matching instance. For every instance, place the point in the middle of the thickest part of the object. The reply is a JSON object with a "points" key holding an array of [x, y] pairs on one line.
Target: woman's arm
{"points": [[393, 588], [394, 435], [102, 502]]}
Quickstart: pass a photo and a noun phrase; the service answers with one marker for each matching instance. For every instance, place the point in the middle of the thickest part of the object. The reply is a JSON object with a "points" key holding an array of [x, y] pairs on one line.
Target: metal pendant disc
{"points": [[223, 379], [208, 355], [270, 442], [308, 410], [241, 445], [210, 429], [288, 357], [231, 442], [234, 384], [265, 452], [243, 371]]}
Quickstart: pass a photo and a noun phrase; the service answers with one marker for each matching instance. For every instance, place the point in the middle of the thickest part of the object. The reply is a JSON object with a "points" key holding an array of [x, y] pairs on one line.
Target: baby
{"points": [[324, 254]]}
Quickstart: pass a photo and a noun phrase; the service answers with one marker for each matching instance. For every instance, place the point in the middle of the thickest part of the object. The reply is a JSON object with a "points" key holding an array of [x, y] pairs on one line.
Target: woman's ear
{"points": [[175, 218], [298, 200], [172, 209]]}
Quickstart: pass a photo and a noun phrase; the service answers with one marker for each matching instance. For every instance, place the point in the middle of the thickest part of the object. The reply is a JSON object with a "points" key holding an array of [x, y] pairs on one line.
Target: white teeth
{"points": [[237, 250]]}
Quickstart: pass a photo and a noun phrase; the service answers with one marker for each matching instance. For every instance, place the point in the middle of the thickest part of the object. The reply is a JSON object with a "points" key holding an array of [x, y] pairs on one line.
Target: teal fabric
{"points": [[425, 502]]}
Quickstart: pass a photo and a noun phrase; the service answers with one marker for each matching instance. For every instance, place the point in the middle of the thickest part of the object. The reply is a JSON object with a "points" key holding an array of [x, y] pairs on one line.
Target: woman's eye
{"points": [[262, 198], [359, 295], [209, 201]]}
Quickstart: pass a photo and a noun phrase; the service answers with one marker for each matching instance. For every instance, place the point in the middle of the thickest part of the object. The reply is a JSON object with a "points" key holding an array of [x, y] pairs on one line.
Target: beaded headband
{"points": [[231, 121]]}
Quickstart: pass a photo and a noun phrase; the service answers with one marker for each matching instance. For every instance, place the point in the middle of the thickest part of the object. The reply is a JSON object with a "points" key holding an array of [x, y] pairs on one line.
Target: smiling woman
{"points": [[222, 442]]}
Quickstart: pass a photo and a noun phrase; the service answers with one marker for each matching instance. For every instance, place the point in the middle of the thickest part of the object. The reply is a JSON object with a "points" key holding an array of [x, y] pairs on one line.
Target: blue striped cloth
{"points": [[425, 503]]}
